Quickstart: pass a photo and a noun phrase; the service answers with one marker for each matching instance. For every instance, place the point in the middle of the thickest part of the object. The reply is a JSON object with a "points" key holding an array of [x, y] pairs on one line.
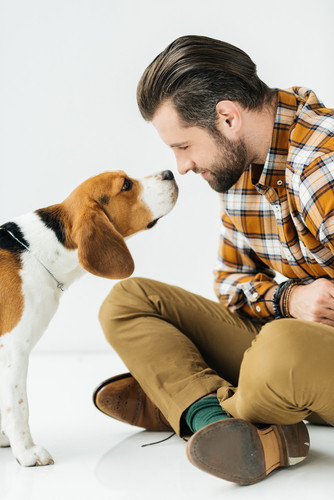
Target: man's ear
{"points": [[228, 118], [101, 248]]}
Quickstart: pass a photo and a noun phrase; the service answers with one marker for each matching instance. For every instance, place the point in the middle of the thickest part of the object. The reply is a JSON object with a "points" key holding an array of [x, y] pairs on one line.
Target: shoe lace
{"points": [[158, 442]]}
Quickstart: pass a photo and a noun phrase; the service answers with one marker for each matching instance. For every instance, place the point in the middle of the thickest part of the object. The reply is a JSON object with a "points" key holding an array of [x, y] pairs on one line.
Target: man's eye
{"points": [[127, 185], [183, 147]]}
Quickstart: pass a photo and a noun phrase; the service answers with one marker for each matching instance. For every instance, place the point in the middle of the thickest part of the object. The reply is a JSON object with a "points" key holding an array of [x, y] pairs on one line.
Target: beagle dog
{"points": [[42, 253]]}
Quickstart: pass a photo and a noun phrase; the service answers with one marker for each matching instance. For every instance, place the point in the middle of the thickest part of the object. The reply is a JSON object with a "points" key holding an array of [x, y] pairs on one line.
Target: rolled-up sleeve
{"points": [[241, 278]]}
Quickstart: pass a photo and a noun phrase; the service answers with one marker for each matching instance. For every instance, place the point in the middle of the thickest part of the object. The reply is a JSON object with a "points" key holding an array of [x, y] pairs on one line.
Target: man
{"points": [[243, 373]]}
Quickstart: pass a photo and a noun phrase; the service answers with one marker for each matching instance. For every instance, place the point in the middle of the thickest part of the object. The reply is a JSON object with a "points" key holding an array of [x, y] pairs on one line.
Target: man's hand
{"points": [[313, 302]]}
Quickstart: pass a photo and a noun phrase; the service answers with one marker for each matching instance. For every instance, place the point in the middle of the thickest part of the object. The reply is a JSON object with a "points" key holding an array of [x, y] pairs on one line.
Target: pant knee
{"points": [[281, 373], [296, 348], [126, 300], [280, 348]]}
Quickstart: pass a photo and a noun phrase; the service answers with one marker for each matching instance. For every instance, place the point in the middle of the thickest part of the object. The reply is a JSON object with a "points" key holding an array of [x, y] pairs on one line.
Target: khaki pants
{"points": [[181, 347]]}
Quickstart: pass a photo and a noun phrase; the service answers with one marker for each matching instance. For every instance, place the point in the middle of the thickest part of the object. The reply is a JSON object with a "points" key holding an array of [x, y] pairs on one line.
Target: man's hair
{"points": [[194, 73]]}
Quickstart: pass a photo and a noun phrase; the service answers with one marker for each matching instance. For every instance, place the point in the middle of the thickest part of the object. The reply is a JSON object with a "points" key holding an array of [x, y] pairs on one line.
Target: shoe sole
{"points": [[240, 452]]}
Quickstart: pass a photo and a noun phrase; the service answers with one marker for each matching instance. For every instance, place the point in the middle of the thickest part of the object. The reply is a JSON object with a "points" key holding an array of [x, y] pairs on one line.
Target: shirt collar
{"points": [[289, 105]]}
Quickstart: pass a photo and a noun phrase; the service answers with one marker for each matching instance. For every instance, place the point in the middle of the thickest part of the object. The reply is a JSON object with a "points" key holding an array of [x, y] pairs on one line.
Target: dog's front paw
{"points": [[4, 441], [36, 455]]}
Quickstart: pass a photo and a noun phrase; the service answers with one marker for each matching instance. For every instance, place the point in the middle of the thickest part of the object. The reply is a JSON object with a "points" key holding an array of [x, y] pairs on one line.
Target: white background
{"points": [[68, 76]]}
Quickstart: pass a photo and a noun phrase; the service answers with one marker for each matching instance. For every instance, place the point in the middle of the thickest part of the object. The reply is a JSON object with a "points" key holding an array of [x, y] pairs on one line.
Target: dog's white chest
{"points": [[45, 264]]}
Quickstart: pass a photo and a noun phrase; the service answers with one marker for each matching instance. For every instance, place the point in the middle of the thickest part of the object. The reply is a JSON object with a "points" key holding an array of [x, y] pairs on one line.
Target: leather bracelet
{"points": [[277, 299], [285, 300]]}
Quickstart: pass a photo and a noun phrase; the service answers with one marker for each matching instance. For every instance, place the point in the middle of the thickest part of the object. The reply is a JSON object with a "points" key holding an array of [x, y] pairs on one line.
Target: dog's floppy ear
{"points": [[101, 248]]}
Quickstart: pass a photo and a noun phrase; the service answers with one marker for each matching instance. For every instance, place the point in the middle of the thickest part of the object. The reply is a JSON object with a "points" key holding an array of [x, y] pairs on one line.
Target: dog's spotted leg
{"points": [[14, 409], [4, 441]]}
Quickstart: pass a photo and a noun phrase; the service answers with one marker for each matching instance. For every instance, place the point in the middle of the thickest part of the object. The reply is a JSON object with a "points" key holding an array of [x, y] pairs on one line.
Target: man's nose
{"points": [[184, 165]]}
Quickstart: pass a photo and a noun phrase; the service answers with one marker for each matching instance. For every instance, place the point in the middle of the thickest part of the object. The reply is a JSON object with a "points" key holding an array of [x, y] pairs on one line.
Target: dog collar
{"points": [[60, 285]]}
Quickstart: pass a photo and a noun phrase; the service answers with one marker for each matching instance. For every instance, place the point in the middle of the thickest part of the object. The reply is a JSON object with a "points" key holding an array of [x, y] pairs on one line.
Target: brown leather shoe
{"points": [[243, 453], [122, 398]]}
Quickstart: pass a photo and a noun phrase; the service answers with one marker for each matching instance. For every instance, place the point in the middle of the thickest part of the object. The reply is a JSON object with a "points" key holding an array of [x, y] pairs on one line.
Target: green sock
{"points": [[204, 412]]}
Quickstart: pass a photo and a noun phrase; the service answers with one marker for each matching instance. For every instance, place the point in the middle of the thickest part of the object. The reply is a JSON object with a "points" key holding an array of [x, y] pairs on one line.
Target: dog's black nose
{"points": [[167, 175]]}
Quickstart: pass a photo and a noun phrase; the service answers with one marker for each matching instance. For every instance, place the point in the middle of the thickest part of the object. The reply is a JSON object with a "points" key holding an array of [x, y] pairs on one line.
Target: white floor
{"points": [[99, 458]]}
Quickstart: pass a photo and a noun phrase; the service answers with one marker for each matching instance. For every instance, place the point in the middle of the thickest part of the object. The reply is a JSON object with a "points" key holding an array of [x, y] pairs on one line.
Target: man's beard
{"points": [[228, 165]]}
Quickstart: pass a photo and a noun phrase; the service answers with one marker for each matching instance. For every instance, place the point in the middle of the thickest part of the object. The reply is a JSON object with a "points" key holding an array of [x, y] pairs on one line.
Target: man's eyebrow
{"points": [[178, 144]]}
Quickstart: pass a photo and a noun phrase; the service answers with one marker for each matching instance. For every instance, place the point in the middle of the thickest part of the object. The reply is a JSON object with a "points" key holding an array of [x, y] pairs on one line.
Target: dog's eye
{"points": [[127, 185]]}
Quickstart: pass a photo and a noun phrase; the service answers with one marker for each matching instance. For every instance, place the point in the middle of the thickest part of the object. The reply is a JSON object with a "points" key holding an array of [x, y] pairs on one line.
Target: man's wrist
{"points": [[284, 304], [280, 297]]}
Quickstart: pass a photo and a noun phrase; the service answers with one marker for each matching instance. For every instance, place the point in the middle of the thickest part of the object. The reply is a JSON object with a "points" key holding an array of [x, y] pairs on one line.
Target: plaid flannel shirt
{"points": [[280, 217]]}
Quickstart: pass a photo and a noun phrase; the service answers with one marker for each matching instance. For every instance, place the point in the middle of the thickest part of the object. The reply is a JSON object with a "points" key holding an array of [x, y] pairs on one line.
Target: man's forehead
{"points": [[168, 124], [165, 117]]}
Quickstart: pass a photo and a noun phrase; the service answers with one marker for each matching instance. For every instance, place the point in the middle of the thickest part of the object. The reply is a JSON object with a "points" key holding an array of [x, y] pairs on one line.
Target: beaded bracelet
{"points": [[277, 298]]}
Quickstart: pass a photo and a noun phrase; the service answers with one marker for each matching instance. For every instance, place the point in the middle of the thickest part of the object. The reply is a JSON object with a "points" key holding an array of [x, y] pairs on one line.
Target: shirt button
{"points": [[279, 183], [255, 295], [258, 308]]}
